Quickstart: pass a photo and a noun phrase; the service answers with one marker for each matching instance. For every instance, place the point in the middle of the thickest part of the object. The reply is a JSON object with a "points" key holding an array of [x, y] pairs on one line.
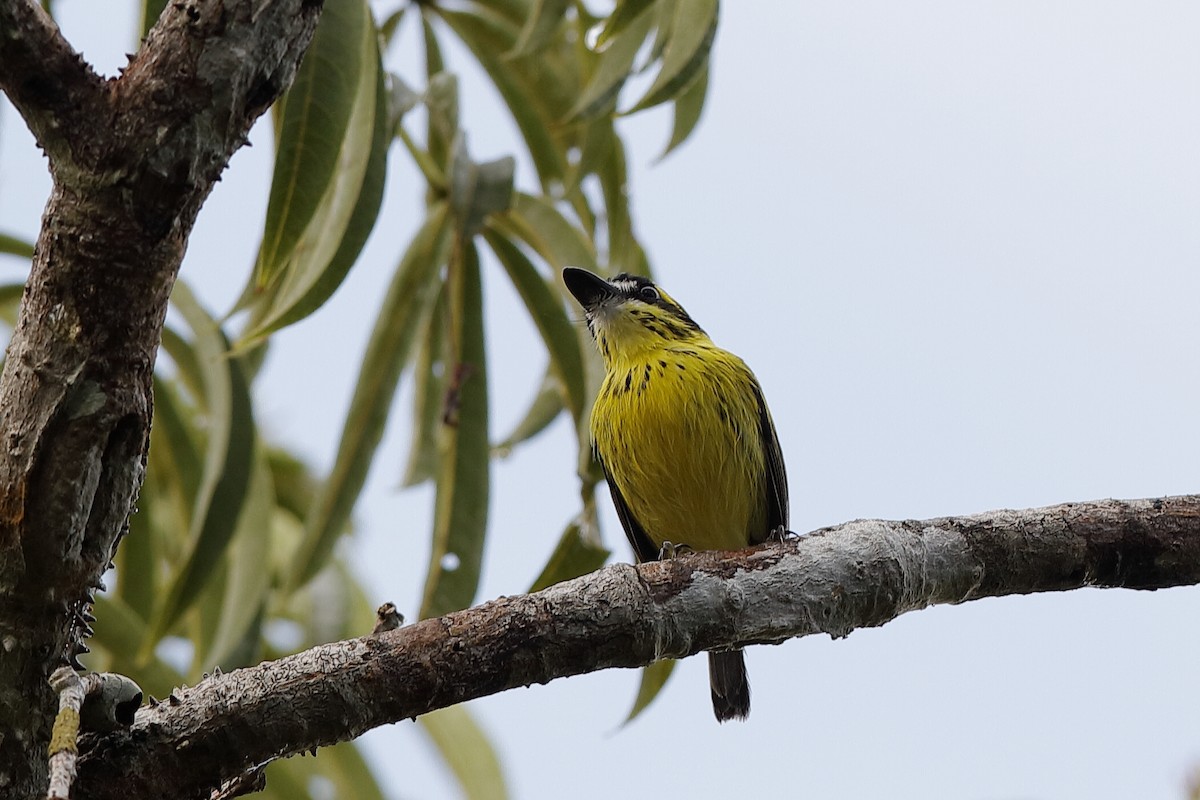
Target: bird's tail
{"points": [[730, 685]]}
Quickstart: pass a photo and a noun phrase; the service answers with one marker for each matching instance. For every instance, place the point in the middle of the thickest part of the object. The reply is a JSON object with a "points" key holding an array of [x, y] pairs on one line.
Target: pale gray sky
{"points": [[958, 243]]}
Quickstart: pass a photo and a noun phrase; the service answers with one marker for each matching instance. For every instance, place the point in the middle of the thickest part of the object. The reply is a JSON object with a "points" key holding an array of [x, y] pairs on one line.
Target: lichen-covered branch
{"points": [[132, 161], [860, 574]]}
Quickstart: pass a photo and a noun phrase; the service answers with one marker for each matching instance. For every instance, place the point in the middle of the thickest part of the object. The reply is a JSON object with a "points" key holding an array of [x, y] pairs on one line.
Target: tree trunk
{"points": [[132, 161]]}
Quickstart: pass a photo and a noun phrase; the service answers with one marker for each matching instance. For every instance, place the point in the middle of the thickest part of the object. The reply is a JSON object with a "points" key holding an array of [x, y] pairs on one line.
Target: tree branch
{"points": [[51, 86], [132, 160], [860, 574]]}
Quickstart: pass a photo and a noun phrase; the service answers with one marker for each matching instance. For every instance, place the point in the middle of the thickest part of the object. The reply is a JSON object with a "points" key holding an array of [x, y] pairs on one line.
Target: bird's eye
{"points": [[648, 294]]}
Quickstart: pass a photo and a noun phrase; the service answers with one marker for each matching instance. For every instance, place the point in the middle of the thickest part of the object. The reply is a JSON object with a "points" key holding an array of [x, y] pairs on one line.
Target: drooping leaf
{"points": [[513, 11], [181, 351], [13, 246], [688, 107], [460, 511], [654, 678], [292, 778], [151, 11], [121, 631], [543, 227], [575, 554], [525, 93], [613, 68], [227, 462], [316, 114], [624, 252], [350, 773], [391, 24], [441, 99], [10, 302], [430, 371], [291, 480], [441, 128], [693, 30], [549, 314], [466, 750], [540, 26], [412, 289], [137, 558], [246, 580], [546, 405], [595, 150], [175, 445], [343, 219], [625, 12]]}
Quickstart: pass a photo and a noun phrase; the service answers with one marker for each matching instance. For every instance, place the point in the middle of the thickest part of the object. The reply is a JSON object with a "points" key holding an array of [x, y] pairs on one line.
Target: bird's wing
{"points": [[643, 548], [777, 486]]}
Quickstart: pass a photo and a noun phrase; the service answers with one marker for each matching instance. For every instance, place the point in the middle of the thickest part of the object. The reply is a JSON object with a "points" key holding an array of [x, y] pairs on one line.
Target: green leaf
{"points": [[466, 750], [15, 247], [595, 150], [624, 252], [477, 190], [437, 141], [350, 773], [317, 111], [172, 438], [10, 302], [625, 12], [246, 580], [693, 30], [541, 26], [528, 90], [688, 107], [430, 373], [288, 778], [543, 227], [120, 631], [654, 678], [547, 404], [294, 485], [575, 554], [460, 511], [613, 68], [549, 314], [191, 376], [151, 11], [441, 99], [228, 461], [391, 24], [137, 558], [339, 225], [412, 289]]}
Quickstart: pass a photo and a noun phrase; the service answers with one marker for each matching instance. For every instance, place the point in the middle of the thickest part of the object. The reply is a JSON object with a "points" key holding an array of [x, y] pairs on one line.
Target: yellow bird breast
{"points": [[680, 434]]}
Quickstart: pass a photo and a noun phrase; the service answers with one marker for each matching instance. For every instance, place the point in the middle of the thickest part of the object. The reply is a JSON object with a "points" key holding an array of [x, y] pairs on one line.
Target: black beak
{"points": [[590, 290]]}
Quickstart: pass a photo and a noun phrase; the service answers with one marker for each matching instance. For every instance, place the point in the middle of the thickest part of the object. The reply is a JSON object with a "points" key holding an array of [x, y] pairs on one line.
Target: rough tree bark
{"points": [[132, 160], [860, 574]]}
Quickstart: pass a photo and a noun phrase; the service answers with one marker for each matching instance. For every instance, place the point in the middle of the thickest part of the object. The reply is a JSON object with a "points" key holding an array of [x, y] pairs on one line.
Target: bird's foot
{"points": [[781, 535], [672, 550]]}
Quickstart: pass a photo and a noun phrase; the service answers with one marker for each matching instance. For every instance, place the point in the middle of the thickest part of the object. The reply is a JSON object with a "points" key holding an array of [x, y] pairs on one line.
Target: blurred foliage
{"points": [[231, 557]]}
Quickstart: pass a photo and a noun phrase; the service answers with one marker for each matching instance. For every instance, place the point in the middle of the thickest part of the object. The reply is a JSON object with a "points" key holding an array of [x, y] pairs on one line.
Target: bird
{"points": [[687, 445]]}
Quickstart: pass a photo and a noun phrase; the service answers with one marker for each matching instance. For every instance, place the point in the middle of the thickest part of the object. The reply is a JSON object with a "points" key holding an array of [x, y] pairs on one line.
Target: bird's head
{"points": [[629, 314]]}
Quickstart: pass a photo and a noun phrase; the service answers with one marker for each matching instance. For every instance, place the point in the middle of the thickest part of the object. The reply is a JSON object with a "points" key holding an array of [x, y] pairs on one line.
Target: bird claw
{"points": [[672, 550], [782, 535]]}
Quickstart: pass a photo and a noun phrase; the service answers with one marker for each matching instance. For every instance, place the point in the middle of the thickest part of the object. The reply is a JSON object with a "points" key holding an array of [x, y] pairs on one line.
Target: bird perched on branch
{"points": [[683, 433]]}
